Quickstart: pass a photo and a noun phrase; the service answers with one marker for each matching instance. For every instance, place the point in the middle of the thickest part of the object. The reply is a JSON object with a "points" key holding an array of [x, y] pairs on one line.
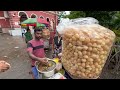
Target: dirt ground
{"points": [[13, 50]]}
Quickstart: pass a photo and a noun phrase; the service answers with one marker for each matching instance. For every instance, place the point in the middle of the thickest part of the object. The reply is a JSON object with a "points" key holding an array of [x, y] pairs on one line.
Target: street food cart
{"points": [[86, 47]]}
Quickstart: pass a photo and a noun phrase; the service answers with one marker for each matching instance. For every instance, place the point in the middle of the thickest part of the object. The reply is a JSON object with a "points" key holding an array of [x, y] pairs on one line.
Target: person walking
{"points": [[28, 36]]}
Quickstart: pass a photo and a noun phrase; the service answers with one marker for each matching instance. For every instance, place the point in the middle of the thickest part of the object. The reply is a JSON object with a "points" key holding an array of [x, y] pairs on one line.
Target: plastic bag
{"points": [[79, 21], [63, 23], [85, 48], [83, 21]]}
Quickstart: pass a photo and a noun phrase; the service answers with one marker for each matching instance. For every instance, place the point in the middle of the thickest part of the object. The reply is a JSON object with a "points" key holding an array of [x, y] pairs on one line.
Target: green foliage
{"points": [[75, 14], [116, 21], [61, 14], [104, 17], [117, 40], [117, 32]]}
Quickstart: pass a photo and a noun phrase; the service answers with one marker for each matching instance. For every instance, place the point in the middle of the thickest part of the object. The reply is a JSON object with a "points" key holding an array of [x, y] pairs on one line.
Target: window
{"points": [[33, 16], [41, 17], [20, 13], [48, 20], [23, 16]]}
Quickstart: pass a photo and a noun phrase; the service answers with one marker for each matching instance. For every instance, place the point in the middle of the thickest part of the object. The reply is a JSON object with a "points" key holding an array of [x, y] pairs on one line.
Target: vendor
{"points": [[36, 52], [4, 66]]}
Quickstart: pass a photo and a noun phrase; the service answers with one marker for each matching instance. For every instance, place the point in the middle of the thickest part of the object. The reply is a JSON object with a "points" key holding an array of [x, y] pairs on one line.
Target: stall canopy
{"points": [[35, 22]]}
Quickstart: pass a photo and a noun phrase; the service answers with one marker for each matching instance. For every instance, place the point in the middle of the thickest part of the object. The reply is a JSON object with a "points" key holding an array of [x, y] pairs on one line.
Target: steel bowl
{"points": [[46, 73]]}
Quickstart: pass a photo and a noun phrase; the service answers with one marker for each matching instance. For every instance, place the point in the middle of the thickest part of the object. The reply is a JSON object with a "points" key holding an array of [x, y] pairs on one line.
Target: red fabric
{"points": [[31, 24]]}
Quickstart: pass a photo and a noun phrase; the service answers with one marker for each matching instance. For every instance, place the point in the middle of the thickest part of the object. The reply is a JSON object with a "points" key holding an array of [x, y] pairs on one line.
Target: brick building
{"points": [[10, 20]]}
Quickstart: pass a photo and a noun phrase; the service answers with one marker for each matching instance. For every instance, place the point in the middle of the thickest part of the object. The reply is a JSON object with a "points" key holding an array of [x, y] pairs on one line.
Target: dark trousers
{"points": [[22, 34]]}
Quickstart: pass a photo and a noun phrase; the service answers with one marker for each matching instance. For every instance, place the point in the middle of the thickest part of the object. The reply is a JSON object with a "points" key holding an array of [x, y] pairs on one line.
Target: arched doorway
{"points": [[23, 16], [41, 17], [48, 20], [33, 16]]}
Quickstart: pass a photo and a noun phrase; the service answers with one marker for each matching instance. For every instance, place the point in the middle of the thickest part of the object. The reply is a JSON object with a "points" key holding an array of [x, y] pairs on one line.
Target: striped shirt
{"points": [[37, 48]]}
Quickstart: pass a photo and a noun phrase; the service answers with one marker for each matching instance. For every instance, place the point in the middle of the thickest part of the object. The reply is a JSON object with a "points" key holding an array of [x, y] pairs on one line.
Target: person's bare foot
{"points": [[4, 66]]}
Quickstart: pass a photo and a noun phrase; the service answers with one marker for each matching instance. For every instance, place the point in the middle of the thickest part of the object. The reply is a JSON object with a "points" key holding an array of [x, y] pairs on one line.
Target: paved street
{"points": [[17, 57]]}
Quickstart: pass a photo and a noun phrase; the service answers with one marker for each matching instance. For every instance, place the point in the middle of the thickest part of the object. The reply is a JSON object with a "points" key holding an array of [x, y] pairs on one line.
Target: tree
{"points": [[116, 21], [104, 17], [61, 14], [75, 14]]}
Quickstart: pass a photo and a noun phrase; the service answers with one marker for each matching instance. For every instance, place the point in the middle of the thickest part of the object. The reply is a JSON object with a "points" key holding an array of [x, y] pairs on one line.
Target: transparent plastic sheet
{"points": [[63, 24], [84, 21], [86, 46], [79, 21]]}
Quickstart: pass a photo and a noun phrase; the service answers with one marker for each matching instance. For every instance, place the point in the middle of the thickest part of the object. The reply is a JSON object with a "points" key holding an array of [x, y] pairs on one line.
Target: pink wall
{"points": [[16, 18], [4, 23], [1, 14], [11, 21]]}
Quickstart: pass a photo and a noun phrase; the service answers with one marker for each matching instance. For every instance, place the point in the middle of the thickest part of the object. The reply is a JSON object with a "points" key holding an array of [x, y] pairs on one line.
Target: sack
{"points": [[85, 48]]}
